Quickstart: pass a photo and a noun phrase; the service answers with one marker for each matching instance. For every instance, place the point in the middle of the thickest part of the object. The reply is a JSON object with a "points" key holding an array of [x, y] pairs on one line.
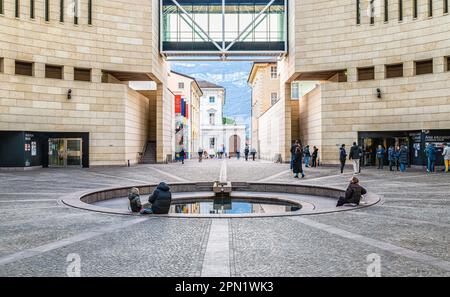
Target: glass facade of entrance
{"points": [[223, 26]]}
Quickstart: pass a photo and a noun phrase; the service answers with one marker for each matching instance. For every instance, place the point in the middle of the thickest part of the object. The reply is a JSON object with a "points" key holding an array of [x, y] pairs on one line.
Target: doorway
{"points": [[235, 143], [65, 152]]}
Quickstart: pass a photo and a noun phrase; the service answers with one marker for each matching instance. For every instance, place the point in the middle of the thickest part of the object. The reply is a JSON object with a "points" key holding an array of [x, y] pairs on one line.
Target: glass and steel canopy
{"points": [[223, 28]]}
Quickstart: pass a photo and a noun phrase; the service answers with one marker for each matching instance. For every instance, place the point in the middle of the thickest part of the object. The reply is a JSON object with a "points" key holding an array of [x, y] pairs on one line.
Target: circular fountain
{"points": [[224, 200]]}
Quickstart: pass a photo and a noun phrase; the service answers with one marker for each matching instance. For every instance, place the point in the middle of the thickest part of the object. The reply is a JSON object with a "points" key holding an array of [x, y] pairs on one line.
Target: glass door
{"points": [[64, 152]]}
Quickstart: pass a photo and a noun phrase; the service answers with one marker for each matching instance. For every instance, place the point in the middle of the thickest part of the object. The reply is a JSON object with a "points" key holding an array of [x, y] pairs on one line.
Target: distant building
{"points": [[215, 135]]}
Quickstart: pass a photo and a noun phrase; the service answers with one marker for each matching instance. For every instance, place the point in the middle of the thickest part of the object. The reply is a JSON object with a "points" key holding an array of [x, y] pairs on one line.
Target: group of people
{"points": [[300, 154], [431, 154], [158, 202], [202, 154]]}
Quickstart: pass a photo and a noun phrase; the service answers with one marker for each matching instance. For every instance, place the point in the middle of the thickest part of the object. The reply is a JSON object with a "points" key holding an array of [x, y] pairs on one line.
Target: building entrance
{"points": [[65, 152], [370, 146]]}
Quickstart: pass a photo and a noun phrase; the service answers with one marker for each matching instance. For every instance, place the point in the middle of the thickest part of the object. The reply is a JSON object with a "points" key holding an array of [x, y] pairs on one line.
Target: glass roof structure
{"points": [[220, 29]]}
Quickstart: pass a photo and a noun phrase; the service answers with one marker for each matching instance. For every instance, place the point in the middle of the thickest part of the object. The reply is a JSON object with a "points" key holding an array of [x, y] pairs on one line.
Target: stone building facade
{"points": [[65, 76]]}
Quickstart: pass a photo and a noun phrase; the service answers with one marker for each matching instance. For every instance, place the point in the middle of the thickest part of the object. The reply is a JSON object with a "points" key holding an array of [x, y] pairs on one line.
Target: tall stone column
{"points": [[165, 126]]}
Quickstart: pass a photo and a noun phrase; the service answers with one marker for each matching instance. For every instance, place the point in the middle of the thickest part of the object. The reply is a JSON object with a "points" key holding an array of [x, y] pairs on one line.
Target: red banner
{"points": [[177, 103], [187, 111]]}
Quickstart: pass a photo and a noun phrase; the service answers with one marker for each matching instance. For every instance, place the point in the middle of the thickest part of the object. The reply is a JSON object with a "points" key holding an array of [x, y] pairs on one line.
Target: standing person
{"points": [[315, 154], [307, 156], [430, 152], [342, 157], [200, 154], [246, 152], [238, 153], [182, 155], [353, 194], [391, 157], [397, 154], [403, 157], [355, 156], [446, 154], [253, 152], [297, 168], [293, 149], [380, 156]]}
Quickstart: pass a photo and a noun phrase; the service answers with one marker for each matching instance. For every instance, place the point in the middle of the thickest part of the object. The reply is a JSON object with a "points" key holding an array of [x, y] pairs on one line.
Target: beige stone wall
{"points": [[310, 119], [271, 124], [413, 103], [165, 124]]}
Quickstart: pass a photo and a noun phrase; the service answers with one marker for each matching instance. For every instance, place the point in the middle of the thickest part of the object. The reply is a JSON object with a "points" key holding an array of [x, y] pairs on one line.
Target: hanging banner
{"points": [[187, 111], [183, 107], [177, 103]]}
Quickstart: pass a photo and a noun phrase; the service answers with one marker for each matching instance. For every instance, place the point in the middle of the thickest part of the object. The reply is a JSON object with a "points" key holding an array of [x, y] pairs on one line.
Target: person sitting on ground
{"points": [[135, 200], [160, 200], [353, 193]]}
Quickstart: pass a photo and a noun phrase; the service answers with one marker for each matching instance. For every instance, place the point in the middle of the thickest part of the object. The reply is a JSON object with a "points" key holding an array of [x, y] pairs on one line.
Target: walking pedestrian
{"points": [[380, 156], [246, 152], [200, 154], [297, 168], [355, 155], [307, 156], [315, 154], [342, 157], [293, 149], [446, 154], [182, 155], [253, 152], [391, 157], [430, 153], [403, 157], [238, 153]]}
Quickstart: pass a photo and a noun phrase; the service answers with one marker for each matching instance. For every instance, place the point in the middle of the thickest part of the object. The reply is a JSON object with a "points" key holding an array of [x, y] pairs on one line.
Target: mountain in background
{"points": [[230, 75]]}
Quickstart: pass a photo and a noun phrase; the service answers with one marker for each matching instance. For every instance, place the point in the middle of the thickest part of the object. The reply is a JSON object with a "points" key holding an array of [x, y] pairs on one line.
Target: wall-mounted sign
{"points": [[33, 148]]}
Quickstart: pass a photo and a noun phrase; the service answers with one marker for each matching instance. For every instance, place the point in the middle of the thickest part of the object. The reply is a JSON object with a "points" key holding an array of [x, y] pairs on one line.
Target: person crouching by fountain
{"points": [[297, 164], [159, 200], [353, 193], [135, 200]]}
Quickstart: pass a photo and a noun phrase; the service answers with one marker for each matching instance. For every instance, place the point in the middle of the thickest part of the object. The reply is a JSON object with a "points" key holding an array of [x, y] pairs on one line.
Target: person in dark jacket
{"points": [[293, 149], [342, 157], [355, 155], [403, 157], [307, 154], [160, 200], [297, 168], [135, 200], [246, 152], [182, 155], [430, 152], [391, 157], [315, 154], [353, 193], [253, 152], [380, 156]]}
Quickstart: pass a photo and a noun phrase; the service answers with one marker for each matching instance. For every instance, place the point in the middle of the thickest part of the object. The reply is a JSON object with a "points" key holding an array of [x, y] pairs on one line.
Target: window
{"points": [[82, 74], [212, 143], [180, 85], [400, 10], [445, 6], [211, 118], [386, 10], [358, 12], [448, 63], [75, 12], [52, 71], [17, 9], [31, 9], [424, 67], [1, 7], [61, 11], [212, 99], [372, 12], [89, 12], [273, 97], [2, 67], [366, 73], [430, 8], [394, 70], [295, 90], [24, 68], [273, 72], [415, 9], [47, 11]]}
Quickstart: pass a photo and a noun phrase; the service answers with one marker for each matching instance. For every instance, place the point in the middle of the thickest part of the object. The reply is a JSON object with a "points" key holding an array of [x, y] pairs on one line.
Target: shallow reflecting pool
{"points": [[232, 206]]}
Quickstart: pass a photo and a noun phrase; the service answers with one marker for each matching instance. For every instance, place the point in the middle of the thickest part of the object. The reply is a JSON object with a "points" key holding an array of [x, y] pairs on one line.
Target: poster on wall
{"points": [[33, 148]]}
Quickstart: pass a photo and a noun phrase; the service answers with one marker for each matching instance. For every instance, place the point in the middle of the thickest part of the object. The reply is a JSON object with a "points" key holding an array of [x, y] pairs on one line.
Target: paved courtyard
{"points": [[408, 231]]}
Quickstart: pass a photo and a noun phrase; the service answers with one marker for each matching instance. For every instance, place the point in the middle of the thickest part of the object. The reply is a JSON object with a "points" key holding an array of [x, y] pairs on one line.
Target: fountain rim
{"points": [[78, 199]]}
